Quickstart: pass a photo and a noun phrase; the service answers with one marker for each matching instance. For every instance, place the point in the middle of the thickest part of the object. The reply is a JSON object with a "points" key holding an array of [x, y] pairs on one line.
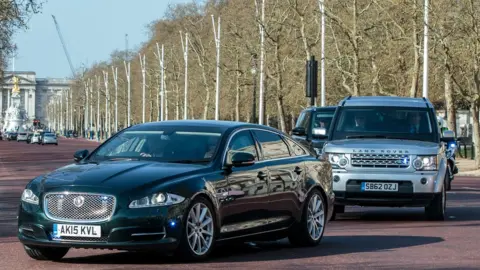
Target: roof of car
{"points": [[324, 108], [224, 125], [386, 101]]}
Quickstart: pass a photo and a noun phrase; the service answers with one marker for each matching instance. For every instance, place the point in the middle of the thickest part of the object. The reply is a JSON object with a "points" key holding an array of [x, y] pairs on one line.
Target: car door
{"points": [[286, 172], [244, 209]]}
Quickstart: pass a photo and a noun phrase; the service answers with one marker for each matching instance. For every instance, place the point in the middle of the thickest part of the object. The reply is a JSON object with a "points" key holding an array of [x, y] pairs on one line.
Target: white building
{"points": [[35, 93]]}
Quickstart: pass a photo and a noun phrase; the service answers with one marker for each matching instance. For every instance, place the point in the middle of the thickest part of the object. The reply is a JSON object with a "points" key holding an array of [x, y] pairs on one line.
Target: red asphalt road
{"points": [[379, 238]]}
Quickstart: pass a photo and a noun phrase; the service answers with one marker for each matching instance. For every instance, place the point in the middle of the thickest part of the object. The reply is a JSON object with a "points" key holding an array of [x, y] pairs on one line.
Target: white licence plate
{"points": [[369, 186], [89, 231]]}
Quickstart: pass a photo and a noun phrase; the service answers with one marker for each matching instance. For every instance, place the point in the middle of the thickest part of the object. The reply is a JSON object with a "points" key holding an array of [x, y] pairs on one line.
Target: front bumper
{"points": [[414, 188], [128, 229]]}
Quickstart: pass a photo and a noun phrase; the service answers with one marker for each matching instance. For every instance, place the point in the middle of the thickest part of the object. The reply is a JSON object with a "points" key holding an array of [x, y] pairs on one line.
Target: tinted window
{"points": [[297, 150], [182, 146], [303, 120], [272, 145], [391, 122], [242, 142]]}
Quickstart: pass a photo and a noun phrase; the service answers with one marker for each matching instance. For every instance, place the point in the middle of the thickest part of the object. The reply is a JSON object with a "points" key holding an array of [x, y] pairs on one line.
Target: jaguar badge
{"points": [[78, 201]]}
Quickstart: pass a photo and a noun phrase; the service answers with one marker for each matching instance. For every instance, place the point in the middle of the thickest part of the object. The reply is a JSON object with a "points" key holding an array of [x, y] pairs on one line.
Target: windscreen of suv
{"points": [[387, 122]]}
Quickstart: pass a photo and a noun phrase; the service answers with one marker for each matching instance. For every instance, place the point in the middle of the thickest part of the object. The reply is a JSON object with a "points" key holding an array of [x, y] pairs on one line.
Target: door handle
{"points": [[262, 175], [298, 170]]}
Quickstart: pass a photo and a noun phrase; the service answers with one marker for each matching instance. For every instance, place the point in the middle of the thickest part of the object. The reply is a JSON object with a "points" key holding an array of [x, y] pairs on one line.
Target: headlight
{"points": [[157, 199], [338, 160], [425, 163], [29, 197]]}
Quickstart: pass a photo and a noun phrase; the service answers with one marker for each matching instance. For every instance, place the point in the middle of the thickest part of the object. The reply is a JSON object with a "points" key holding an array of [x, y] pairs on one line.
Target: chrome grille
{"points": [[380, 160], [93, 207]]}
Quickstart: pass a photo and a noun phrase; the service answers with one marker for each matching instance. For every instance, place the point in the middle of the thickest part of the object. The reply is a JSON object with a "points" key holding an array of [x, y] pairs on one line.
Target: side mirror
{"points": [[79, 155], [299, 131], [448, 135], [319, 132], [242, 159]]}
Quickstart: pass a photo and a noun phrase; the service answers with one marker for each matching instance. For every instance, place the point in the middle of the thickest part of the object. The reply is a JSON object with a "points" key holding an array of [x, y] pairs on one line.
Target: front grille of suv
{"points": [[380, 160]]}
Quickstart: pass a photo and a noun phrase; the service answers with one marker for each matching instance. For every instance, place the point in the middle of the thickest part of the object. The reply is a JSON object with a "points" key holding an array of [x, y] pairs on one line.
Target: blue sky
{"points": [[92, 29]]}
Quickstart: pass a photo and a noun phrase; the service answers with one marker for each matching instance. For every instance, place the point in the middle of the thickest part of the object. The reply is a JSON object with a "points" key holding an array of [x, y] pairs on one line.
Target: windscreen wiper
{"points": [[121, 159]]}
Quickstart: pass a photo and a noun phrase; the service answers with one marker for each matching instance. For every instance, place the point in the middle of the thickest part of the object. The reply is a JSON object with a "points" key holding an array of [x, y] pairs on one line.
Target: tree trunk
{"points": [[207, 94], [281, 113], [177, 102], [374, 73], [416, 56], [151, 106], [450, 106], [356, 52], [237, 90], [158, 100], [279, 85], [474, 109]]}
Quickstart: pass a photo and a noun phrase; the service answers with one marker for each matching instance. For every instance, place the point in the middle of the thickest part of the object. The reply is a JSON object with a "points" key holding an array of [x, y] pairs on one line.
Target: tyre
{"points": [[309, 231], [200, 232], [436, 209], [46, 253]]}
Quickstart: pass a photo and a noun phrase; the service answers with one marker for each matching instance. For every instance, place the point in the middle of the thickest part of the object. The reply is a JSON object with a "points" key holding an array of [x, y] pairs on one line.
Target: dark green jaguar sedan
{"points": [[181, 187]]}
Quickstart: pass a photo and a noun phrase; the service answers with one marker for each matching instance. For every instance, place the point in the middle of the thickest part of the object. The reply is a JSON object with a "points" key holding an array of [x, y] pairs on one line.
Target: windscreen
{"points": [[179, 146], [385, 122], [322, 119]]}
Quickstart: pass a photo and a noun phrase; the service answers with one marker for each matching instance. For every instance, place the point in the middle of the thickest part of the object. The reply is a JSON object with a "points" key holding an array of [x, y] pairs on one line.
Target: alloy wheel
{"points": [[200, 229], [315, 217]]}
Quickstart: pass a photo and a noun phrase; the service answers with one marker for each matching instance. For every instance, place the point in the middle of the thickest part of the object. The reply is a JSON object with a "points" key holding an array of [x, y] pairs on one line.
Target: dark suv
{"points": [[309, 120]]}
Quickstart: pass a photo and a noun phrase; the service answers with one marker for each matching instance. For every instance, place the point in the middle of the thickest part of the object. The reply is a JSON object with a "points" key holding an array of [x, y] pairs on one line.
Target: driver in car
{"points": [[359, 124], [152, 148]]}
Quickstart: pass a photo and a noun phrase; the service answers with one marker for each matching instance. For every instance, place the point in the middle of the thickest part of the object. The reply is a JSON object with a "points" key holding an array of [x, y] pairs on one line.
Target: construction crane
{"points": [[64, 47]]}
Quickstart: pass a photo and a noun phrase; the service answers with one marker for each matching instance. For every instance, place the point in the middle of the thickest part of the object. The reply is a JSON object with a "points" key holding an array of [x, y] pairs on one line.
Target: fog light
{"points": [[336, 178], [172, 223], [423, 181], [343, 162]]}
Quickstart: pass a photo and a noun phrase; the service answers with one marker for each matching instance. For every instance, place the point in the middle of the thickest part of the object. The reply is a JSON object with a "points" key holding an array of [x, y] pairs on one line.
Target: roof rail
{"points": [[426, 101], [345, 99]]}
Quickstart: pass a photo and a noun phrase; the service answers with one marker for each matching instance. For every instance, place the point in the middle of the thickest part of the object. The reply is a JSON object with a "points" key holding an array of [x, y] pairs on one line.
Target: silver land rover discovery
{"points": [[388, 151]]}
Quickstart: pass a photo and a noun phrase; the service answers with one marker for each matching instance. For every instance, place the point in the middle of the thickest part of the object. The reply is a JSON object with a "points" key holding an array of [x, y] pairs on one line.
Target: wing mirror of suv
{"points": [[299, 131], [79, 155], [242, 159], [319, 132], [448, 135]]}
